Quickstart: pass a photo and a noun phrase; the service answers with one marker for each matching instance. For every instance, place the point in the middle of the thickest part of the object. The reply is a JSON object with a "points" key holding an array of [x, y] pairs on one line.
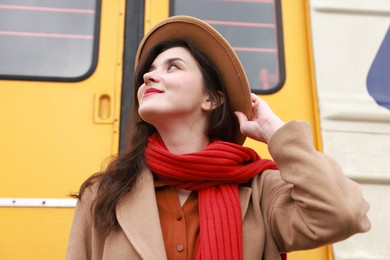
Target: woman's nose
{"points": [[150, 76]]}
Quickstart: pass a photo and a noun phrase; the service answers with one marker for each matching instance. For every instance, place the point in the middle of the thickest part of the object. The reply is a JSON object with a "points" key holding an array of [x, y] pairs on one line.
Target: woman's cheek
{"points": [[140, 92]]}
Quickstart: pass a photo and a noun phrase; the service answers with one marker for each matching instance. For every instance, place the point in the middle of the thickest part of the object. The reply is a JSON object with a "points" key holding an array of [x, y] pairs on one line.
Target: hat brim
{"points": [[211, 43]]}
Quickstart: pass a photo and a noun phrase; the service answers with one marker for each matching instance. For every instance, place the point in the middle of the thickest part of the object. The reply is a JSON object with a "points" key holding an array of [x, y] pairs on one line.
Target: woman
{"points": [[185, 188]]}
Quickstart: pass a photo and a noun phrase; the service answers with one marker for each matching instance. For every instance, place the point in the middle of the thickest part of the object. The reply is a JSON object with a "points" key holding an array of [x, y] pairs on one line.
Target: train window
{"points": [[253, 28], [48, 39]]}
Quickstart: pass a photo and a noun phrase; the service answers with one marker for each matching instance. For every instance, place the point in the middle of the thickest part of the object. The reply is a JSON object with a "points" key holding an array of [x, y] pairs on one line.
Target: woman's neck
{"points": [[182, 135], [183, 138], [182, 142]]}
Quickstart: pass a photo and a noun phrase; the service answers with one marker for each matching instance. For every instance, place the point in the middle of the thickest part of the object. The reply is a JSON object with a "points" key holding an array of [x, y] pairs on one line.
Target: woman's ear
{"points": [[210, 103]]}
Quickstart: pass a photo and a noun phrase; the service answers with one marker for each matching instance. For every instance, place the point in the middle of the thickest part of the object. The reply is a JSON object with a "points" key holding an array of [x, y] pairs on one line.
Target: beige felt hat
{"points": [[215, 47]]}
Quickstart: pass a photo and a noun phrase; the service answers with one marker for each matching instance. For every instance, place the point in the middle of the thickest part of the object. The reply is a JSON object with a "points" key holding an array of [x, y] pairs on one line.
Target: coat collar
{"points": [[138, 217]]}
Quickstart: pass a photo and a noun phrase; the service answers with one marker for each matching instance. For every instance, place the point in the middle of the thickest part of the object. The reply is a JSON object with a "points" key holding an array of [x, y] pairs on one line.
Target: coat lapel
{"points": [[138, 216], [245, 195]]}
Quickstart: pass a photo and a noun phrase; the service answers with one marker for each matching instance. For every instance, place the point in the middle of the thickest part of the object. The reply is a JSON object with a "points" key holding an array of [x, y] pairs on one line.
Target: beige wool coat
{"points": [[307, 203]]}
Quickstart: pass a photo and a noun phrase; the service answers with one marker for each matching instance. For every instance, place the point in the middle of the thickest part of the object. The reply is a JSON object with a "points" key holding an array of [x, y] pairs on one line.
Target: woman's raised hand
{"points": [[263, 122]]}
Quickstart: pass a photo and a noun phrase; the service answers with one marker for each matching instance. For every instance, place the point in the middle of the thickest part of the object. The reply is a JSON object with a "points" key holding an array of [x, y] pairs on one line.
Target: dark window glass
{"points": [[48, 39], [253, 28]]}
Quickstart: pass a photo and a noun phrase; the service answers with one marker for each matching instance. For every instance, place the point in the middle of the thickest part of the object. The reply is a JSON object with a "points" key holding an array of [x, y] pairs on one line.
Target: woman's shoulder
{"points": [[268, 180], [88, 193]]}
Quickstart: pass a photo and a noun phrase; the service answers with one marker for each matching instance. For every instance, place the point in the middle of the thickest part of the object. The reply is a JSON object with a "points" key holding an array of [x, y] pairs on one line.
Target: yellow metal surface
{"points": [[53, 136], [34, 233], [155, 11], [321, 253]]}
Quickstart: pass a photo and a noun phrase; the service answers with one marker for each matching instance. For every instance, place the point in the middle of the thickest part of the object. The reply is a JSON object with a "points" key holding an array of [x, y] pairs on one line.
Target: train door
{"points": [[60, 87], [272, 39]]}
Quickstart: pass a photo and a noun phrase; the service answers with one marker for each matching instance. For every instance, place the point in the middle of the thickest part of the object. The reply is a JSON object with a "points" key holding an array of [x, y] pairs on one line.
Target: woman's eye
{"points": [[172, 66]]}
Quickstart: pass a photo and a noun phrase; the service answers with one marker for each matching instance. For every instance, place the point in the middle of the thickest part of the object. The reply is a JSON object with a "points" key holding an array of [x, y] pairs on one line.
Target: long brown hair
{"points": [[119, 177]]}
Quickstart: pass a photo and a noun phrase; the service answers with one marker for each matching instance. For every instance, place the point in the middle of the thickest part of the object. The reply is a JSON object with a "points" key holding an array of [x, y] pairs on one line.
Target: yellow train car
{"points": [[66, 83]]}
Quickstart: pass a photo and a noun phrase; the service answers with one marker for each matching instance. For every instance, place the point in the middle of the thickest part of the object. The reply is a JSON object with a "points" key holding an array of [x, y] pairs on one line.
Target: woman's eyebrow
{"points": [[167, 61], [170, 60]]}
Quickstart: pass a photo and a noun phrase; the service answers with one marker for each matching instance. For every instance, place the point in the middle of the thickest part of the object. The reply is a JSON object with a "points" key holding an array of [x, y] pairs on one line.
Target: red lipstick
{"points": [[151, 91]]}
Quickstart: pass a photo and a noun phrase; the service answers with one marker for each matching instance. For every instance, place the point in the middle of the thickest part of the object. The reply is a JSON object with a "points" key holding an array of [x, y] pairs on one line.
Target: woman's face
{"points": [[173, 88]]}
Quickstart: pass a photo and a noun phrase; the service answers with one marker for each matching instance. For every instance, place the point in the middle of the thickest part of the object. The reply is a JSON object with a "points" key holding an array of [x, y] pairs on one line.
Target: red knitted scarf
{"points": [[215, 172]]}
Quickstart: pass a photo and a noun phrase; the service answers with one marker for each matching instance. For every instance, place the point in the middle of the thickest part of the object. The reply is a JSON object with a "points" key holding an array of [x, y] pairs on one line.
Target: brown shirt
{"points": [[180, 225]]}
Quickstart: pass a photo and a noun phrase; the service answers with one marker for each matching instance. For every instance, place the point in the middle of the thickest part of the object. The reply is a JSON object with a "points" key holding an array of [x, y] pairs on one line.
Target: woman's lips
{"points": [[151, 91]]}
